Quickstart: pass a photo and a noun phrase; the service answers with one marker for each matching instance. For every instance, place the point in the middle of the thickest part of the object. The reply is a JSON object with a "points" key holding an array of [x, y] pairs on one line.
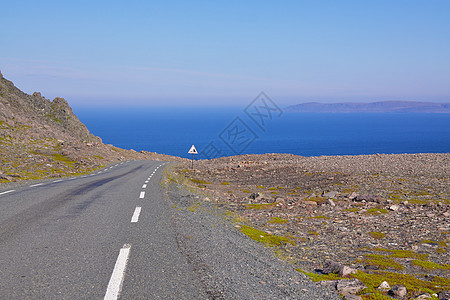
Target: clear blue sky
{"points": [[226, 52]]}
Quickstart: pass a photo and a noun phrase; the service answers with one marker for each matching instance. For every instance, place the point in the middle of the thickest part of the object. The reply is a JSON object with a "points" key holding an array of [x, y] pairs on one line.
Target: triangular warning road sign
{"points": [[193, 150]]}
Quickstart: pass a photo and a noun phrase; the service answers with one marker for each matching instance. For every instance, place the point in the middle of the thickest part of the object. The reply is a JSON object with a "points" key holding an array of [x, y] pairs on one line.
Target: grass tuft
{"points": [[264, 237]]}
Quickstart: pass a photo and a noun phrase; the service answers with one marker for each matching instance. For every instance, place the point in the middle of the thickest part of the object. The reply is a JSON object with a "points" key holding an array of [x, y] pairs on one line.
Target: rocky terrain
{"points": [[385, 217], [40, 138], [371, 227]]}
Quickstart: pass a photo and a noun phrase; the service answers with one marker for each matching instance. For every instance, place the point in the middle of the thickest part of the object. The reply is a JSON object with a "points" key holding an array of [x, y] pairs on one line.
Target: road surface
{"points": [[67, 239], [117, 234]]}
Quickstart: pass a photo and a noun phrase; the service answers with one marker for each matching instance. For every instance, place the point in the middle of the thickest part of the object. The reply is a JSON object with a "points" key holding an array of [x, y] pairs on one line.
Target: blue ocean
{"points": [[222, 132]]}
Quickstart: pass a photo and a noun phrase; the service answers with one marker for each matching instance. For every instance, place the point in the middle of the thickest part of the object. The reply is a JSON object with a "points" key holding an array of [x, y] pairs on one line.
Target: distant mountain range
{"points": [[373, 107]]}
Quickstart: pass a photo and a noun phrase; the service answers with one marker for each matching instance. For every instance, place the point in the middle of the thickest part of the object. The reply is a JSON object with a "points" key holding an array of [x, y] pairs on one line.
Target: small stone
{"points": [[384, 286], [331, 202], [255, 196], [345, 271], [352, 196], [394, 207], [398, 291], [350, 286]]}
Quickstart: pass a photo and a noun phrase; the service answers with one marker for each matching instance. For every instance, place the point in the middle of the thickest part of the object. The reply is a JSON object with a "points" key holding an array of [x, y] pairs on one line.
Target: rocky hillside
{"points": [[40, 138]]}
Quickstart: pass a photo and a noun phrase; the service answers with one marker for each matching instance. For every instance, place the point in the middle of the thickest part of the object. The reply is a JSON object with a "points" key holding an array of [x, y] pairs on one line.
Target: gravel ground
{"points": [[374, 213], [229, 264]]}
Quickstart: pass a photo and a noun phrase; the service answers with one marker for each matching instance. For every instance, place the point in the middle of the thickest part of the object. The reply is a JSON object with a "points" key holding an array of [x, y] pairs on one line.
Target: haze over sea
{"points": [[173, 130]]}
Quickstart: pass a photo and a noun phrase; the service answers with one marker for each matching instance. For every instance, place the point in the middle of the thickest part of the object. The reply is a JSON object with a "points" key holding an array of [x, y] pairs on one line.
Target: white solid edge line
{"points": [[142, 195], [59, 180], [116, 280], [38, 184], [6, 192], [136, 214]]}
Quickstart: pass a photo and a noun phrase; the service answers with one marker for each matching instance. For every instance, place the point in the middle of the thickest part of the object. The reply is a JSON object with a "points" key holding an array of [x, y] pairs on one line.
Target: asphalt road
{"points": [[105, 235], [117, 234]]}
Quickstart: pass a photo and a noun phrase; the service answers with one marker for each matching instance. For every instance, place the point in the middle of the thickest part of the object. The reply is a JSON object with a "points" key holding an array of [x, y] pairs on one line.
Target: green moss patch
{"points": [[428, 265], [382, 262], [316, 199], [278, 220], [353, 209], [376, 211], [403, 253], [318, 217], [62, 158], [431, 242], [264, 237], [377, 235], [412, 284], [320, 277], [199, 181], [376, 296], [260, 206]]}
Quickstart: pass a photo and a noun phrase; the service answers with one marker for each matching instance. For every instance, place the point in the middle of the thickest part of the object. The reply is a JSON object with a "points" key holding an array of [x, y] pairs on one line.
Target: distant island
{"points": [[373, 107]]}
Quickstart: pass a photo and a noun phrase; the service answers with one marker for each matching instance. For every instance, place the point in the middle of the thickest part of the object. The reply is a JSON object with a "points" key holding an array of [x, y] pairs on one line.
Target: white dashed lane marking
{"points": [[144, 186], [38, 184], [136, 214], [142, 195], [6, 192], [115, 283]]}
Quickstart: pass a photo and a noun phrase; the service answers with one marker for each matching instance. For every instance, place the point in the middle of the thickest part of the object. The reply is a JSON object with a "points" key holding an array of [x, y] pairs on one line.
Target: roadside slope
{"points": [[40, 138]]}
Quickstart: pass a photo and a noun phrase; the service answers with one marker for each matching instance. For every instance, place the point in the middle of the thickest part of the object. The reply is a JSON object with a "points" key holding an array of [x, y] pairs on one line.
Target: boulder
{"points": [[345, 271], [331, 194], [398, 291], [394, 207], [331, 267], [352, 196], [384, 286]]}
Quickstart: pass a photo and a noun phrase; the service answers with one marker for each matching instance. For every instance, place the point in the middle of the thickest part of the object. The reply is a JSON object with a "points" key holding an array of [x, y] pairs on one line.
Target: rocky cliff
{"points": [[40, 138]]}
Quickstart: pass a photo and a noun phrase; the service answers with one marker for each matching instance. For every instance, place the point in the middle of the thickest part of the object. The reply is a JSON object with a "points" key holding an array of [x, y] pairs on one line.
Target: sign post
{"points": [[193, 151]]}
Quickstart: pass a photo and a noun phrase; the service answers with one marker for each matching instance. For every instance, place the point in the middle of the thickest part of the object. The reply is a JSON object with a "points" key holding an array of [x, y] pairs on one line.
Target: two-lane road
{"points": [[90, 237]]}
